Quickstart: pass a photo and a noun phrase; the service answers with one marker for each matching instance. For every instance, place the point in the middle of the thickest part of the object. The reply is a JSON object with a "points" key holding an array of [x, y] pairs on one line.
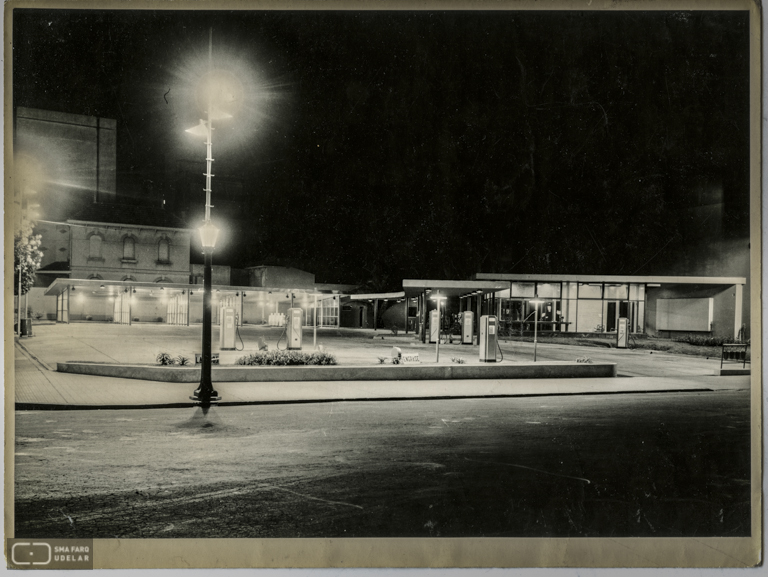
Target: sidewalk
{"points": [[39, 387]]}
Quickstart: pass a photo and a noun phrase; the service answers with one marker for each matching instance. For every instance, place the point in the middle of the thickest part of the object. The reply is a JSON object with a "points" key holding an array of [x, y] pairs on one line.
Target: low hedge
{"points": [[285, 358], [700, 340]]}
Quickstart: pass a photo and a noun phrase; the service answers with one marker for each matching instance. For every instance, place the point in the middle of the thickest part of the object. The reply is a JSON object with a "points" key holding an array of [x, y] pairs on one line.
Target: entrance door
{"points": [[610, 316]]}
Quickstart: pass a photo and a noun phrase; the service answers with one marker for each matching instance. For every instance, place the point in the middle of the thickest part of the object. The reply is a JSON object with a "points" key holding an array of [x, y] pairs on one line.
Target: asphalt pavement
{"points": [[38, 385], [637, 465]]}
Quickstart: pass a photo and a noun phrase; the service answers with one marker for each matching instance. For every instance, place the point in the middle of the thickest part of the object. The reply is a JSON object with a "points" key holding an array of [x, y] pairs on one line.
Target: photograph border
{"points": [[422, 552]]}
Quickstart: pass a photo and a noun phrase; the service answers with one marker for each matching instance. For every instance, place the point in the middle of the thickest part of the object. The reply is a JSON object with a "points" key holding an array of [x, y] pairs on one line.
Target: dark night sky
{"points": [[376, 146]]}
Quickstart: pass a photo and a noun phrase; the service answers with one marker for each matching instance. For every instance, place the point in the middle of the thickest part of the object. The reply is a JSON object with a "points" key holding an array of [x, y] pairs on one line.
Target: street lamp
{"points": [[205, 394], [437, 298], [536, 304]]}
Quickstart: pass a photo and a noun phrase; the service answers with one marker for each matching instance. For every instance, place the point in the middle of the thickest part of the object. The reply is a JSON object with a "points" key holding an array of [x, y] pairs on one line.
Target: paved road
{"points": [[616, 465]]}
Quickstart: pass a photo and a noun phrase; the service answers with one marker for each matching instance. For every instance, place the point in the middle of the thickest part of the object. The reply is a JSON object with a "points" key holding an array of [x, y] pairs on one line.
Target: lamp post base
{"points": [[205, 398]]}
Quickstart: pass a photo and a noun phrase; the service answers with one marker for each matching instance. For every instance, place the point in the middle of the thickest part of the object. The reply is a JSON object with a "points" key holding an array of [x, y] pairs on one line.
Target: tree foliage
{"points": [[26, 257]]}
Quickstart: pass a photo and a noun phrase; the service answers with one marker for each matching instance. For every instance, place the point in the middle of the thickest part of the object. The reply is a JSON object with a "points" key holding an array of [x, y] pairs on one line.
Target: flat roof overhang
{"points": [[377, 296], [58, 286], [615, 279], [453, 288]]}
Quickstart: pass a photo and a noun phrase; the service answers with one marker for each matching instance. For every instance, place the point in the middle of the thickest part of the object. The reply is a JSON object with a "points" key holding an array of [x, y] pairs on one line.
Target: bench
{"points": [[734, 353]]}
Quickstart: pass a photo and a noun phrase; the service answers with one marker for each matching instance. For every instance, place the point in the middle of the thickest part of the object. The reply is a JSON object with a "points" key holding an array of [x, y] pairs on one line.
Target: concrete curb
{"points": [[543, 370], [728, 372], [52, 407]]}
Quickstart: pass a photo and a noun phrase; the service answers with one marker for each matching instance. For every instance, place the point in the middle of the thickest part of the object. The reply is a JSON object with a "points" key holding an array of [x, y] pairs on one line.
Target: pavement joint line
{"points": [[73, 407], [28, 353]]}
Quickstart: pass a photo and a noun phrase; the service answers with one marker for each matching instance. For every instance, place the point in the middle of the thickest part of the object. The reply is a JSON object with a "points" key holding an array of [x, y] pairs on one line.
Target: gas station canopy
{"points": [[100, 287], [453, 288]]}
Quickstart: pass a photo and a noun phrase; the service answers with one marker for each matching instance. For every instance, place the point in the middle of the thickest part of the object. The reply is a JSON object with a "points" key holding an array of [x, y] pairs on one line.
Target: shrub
{"points": [[383, 360], [182, 360], [700, 340], [88, 318], [164, 359], [458, 360], [287, 358]]}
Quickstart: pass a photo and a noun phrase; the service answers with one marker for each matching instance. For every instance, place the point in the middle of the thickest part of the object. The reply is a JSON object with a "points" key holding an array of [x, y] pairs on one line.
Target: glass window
{"points": [[548, 290], [640, 319], [569, 314], [589, 316], [616, 291], [590, 291], [569, 290], [129, 248], [164, 250], [522, 289], [94, 246], [512, 310]]}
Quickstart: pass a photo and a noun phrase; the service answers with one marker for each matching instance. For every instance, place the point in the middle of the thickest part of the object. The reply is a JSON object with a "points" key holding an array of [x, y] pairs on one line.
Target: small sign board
{"points": [[214, 358], [409, 358]]}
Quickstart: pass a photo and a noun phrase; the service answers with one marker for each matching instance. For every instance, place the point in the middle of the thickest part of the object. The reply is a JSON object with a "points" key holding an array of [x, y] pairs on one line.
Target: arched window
{"points": [[164, 250], [162, 279], [95, 277], [129, 278], [129, 248], [94, 246]]}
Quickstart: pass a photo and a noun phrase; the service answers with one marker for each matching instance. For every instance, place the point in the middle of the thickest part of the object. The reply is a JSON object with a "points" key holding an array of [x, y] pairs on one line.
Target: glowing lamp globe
{"points": [[208, 234]]}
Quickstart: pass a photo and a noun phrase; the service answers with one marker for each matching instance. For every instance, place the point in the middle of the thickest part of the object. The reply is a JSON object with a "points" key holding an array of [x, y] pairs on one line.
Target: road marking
{"points": [[530, 469], [309, 496]]}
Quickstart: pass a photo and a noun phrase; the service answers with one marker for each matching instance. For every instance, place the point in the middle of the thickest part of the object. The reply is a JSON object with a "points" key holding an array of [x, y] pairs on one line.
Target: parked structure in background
{"points": [[654, 305], [75, 156]]}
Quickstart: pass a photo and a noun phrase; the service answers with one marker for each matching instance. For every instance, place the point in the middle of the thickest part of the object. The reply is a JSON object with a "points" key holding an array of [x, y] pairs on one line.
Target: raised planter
{"points": [[543, 370]]}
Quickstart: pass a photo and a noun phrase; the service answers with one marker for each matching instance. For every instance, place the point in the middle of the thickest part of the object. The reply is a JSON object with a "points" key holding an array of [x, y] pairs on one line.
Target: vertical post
{"points": [[737, 312], [437, 344], [535, 329], [406, 301], [188, 291], [375, 313], [479, 310], [314, 325], [18, 306], [205, 393], [423, 317]]}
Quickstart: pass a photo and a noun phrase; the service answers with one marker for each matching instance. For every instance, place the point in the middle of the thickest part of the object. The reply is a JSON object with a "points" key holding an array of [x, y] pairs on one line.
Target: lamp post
{"points": [[536, 304], [205, 394]]}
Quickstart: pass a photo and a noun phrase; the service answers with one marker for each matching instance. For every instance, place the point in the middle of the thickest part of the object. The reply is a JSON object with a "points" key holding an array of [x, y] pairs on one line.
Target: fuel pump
{"points": [[622, 334], [227, 328], [293, 328], [488, 336], [467, 328], [434, 326]]}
